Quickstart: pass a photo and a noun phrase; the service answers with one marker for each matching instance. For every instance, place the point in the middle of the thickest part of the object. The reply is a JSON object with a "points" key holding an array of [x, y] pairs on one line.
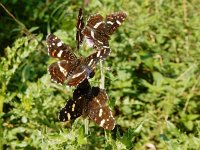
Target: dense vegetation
{"points": [[152, 76]]}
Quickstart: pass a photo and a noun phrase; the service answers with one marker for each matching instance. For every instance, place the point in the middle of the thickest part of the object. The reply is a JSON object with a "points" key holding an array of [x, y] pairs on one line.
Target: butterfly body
{"points": [[80, 25], [70, 69], [88, 101], [97, 31]]}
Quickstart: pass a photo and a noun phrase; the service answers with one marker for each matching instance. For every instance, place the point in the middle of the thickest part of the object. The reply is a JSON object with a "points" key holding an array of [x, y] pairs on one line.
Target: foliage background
{"points": [[152, 76]]}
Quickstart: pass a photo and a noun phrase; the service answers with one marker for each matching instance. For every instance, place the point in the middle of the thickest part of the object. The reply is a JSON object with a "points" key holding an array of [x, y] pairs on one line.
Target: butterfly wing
{"points": [[94, 31], [97, 31], [75, 108], [96, 22], [72, 110], [86, 67], [91, 61], [78, 75], [113, 21], [60, 70], [58, 49], [79, 26], [95, 39], [103, 117], [82, 89], [98, 111], [71, 73]]}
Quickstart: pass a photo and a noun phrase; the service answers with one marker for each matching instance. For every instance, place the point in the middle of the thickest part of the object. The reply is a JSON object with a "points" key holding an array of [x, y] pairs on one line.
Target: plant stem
{"points": [[86, 125], [102, 80]]}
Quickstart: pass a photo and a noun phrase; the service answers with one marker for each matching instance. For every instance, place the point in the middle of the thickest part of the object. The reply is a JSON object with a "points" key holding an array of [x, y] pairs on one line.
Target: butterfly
{"points": [[79, 26], [70, 69], [97, 30], [89, 101]]}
